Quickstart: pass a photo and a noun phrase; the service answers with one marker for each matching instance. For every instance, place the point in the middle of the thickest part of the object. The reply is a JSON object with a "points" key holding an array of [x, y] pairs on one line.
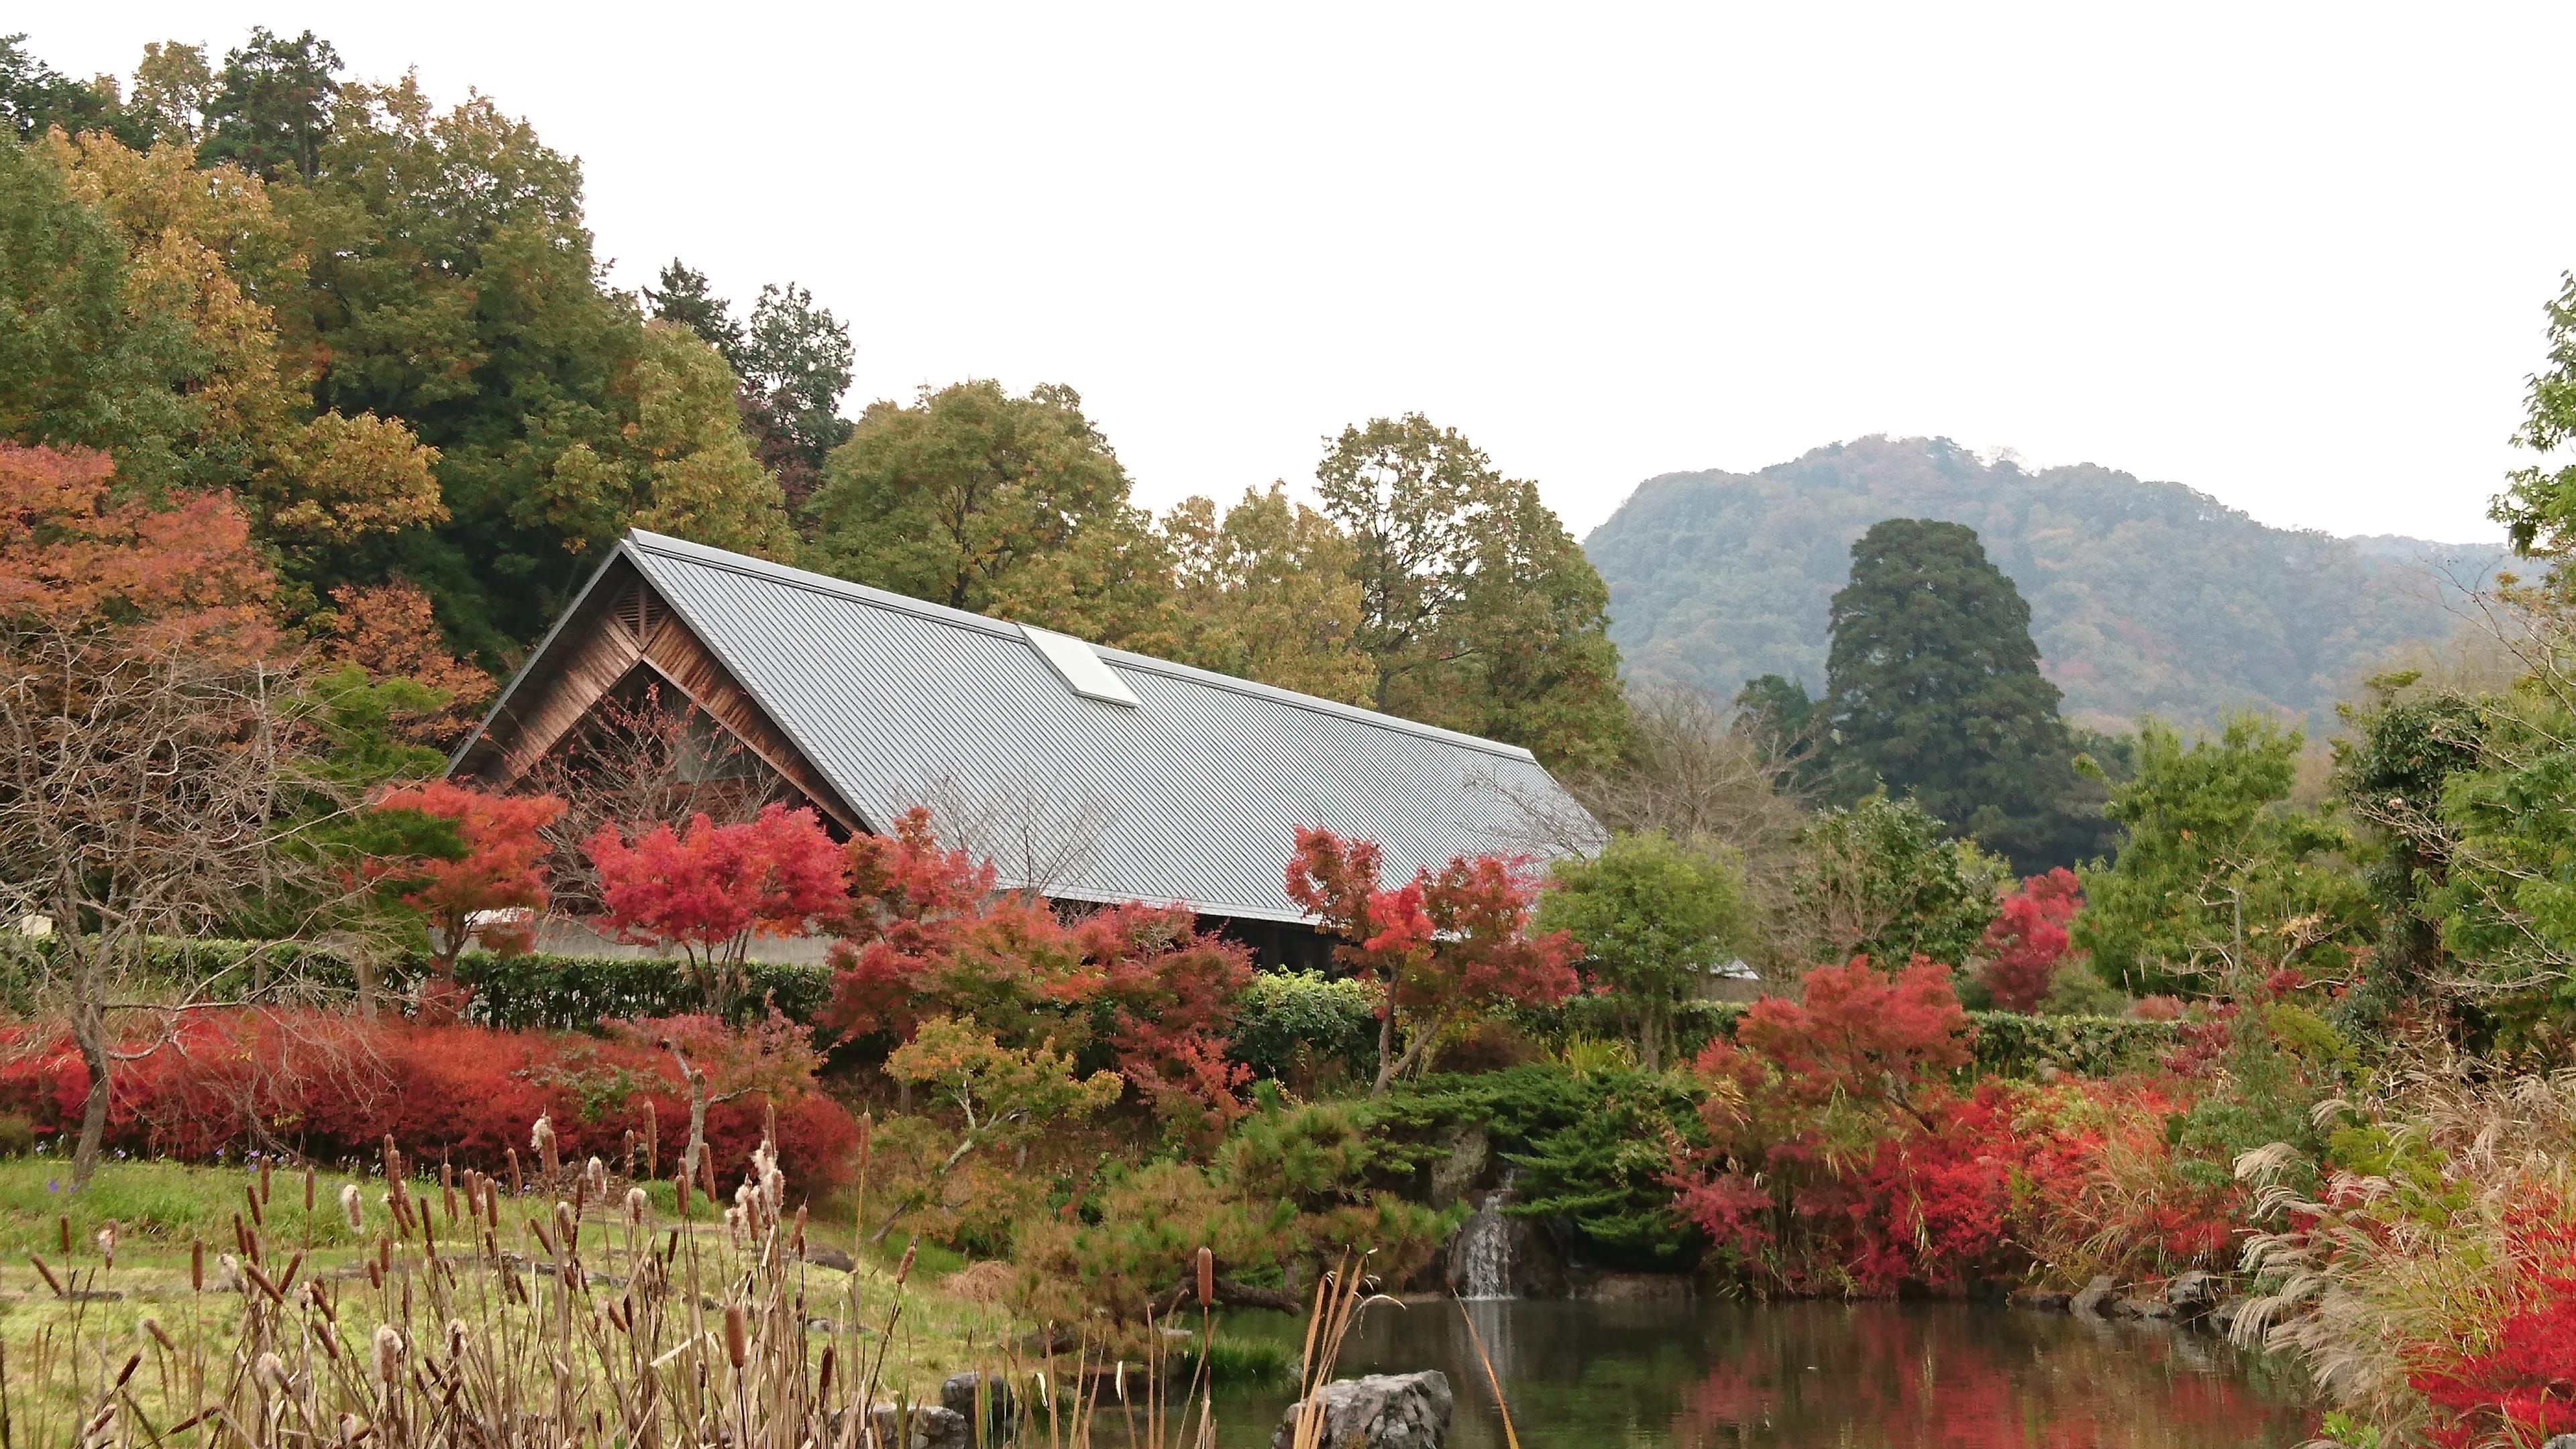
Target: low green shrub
{"points": [[1296, 1026]]}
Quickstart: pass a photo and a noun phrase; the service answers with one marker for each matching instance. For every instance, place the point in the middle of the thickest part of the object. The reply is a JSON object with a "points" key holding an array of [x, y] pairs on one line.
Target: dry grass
{"points": [[2380, 1268], [456, 1314]]}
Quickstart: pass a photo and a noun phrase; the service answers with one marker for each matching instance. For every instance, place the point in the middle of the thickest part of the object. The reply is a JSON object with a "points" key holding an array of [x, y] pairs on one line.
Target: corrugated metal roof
{"points": [[1192, 795]]}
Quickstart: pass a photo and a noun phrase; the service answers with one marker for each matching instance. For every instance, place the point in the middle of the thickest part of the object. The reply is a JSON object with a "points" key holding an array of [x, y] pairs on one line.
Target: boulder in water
{"points": [[1381, 1411], [2096, 1298]]}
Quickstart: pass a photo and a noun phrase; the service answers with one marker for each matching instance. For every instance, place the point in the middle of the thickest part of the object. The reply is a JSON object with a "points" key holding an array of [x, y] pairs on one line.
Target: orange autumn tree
{"points": [[1442, 946], [387, 630], [499, 868]]}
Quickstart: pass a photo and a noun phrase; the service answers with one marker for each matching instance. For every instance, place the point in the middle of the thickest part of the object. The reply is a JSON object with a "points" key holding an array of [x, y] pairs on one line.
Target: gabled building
{"points": [[1088, 774]]}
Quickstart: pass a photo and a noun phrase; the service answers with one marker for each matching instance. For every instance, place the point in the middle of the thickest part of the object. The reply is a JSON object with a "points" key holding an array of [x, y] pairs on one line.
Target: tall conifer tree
{"points": [[1933, 688]]}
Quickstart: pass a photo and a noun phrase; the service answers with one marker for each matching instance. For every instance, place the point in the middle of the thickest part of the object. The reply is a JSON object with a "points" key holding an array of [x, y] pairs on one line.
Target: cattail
{"points": [[133, 1361], [47, 1274], [447, 1188], [630, 1151], [823, 1385], [652, 1140], [263, 1181], [196, 1265], [636, 1206], [707, 1174], [1207, 1277], [455, 1339], [269, 1369], [308, 1191], [107, 1242], [258, 1219], [597, 1175], [153, 1326], [736, 1349], [389, 1350], [516, 1186], [353, 1205], [680, 1187], [66, 1224], [903, 1269], [796, 1241]]}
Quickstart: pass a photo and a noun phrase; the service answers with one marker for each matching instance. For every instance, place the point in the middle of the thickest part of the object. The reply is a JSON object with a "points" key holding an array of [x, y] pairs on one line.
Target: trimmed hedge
{"points": [[1293, 1020]]}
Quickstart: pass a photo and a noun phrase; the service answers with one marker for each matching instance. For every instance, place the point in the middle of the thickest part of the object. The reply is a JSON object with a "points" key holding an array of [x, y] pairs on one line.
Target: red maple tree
{"points": [[711, 889], [501, 873], [2027, 938], [1440, 946]]}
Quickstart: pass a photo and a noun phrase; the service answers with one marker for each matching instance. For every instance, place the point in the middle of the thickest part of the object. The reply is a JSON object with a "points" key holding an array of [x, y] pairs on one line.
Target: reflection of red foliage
{"points": [[1915, 1379], [2027, 938], [332, 1086]]}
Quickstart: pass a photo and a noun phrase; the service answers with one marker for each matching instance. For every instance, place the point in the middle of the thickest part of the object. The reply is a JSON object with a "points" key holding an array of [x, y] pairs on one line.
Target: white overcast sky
{"points": [[2294, 256]]}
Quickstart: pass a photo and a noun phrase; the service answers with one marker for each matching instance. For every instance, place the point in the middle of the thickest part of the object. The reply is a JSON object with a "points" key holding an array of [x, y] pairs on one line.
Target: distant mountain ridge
{"points": [[2146, 597]]}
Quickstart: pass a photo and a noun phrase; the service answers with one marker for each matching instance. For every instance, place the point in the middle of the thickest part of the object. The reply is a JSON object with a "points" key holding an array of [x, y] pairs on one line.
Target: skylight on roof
{"points": [[1079, 667]]}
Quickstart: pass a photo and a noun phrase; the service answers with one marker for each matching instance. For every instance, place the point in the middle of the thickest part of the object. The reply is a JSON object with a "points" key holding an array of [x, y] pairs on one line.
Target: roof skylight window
{"points": [[1080, 667]]}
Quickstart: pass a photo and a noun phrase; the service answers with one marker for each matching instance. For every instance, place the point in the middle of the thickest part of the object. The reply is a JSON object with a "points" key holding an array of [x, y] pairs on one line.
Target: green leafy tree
{"points": [[685, 468], [34, 95], [2219, 882], [453, 286], [2393, 770], [1654, 918], [1882, 879], [1267, 594], [1933, 688], [1478, 608], [1780, 717], [270, 112], [78, 365], [1002, 505], [683, 295], [795, 364]]}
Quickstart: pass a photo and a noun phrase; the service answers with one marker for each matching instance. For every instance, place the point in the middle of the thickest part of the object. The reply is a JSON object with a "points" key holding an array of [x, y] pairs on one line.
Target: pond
{"points": [[1686, 1375]]}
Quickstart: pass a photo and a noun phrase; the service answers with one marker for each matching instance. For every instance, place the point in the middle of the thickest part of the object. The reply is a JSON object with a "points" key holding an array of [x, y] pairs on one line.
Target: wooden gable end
{"points": [[602, 647]]}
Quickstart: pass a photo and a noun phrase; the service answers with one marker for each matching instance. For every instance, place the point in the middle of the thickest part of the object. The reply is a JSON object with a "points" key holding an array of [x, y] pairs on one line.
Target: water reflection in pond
{"points": [[1958, 1376]]}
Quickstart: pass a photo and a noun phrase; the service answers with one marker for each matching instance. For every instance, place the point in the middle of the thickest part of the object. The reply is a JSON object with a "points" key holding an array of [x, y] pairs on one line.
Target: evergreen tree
{"points": [[1933, 688], [685, 296], [271, 108]]}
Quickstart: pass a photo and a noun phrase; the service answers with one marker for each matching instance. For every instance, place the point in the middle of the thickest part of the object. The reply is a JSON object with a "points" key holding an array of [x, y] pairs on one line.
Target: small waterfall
{"points": [[1485, 1250]]}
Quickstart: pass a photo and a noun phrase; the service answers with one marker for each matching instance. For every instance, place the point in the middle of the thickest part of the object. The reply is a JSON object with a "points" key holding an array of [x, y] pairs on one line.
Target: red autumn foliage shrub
{"points": [[1443, 945], [926, 934], [710, 890], [1841, 1159], [2027, 938], [2520, 1386], [332, 1087], [503, 867]]}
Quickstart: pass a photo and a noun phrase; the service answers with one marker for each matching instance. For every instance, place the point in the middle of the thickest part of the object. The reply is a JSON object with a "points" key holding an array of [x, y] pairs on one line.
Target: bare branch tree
{"points": [[144, 794]]}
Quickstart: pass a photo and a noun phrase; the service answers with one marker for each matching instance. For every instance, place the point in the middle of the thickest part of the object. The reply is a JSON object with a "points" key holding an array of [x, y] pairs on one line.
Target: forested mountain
{"points": [[2145, 597]]}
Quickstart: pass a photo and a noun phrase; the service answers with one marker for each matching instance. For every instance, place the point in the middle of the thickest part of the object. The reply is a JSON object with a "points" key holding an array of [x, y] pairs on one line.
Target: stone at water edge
{"points": [[2563, 1441], [2094, 1299], [1381, 1411], [923, 1426], [957, 1395], [2192, 1295]]}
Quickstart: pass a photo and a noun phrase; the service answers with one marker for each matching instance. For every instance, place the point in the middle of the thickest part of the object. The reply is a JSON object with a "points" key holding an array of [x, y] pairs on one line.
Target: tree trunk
{"points": [[1652, 1039], [697, 1081], [1385, 1051], [89, 1032]]}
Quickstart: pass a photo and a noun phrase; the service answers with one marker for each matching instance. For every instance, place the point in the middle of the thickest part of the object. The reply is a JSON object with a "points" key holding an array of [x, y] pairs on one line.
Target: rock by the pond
{"points": [[2224, 1316], [957, 1394], [833, 1258], [2141, 1308], [2563, 1441], [1636, 1288], [2095, 1298], [2041, 1300], [923, 1426], [2192, 1295], [1381, 1411]]}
